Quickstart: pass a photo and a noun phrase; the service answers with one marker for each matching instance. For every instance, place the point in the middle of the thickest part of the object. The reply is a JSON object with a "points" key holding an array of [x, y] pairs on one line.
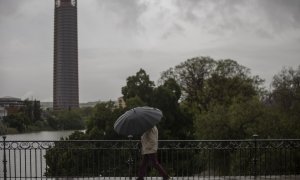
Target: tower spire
{"points": [[65, 72]]}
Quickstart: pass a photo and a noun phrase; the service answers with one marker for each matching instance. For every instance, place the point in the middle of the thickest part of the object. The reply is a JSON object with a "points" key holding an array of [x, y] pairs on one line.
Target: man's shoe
{"points": [[167, 178]]}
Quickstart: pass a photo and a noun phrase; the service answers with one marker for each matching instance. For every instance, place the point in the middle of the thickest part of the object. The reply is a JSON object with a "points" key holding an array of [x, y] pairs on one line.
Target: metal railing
{"points": [[119, 159]]}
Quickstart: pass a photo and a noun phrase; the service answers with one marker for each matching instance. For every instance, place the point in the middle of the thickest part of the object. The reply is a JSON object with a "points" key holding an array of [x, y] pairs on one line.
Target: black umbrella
{"points": [[136, 121]]}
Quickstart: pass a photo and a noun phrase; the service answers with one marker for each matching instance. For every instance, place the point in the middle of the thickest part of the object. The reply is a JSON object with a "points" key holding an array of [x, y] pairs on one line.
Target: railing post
{"points": [[130, 160], [4, 157], [255, 156]]}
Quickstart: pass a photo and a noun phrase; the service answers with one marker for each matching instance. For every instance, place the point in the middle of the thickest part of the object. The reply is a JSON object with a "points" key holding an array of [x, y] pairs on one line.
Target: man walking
{"points": [[149, 142]]}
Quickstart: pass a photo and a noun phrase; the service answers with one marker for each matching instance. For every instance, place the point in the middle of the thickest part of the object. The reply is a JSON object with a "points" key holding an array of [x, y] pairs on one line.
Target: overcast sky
{"points": [[118, 37]]}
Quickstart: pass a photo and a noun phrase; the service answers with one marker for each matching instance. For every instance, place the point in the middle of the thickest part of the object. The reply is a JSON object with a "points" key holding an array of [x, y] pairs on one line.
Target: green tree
{"points": [[214, 90], [230, 80], [32, 110], [285, 101], [134, 102], [138, 85], [286, 89], [36, 111], [18, 120], [69, 120], [3, 128], [204, 80], [191, 76], [166, 98], [100, 122], [51, 120]]}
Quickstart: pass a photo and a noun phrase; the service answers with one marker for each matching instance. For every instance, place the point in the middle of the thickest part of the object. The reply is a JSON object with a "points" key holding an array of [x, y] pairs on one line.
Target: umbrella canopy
{"points": [[137, 120]]}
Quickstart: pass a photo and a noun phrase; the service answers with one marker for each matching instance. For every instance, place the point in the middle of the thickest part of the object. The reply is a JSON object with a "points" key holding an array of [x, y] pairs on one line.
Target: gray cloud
{"points": [[264, 34], [128, 12], [174, 29], [10, 7], [282, 14], [190, 9], [117, 37], [221, 16]]}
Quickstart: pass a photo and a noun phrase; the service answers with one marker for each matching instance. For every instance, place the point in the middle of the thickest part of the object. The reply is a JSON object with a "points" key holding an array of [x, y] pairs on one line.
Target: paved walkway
{"points": [[292, 177]]}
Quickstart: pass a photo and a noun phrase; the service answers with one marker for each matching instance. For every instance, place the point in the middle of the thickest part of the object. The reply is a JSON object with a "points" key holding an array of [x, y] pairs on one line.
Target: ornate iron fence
{"points": [[119, 159]]}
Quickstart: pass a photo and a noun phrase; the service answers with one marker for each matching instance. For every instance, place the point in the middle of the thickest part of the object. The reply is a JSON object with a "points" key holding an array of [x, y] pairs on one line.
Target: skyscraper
{"points": [[65, 74]]}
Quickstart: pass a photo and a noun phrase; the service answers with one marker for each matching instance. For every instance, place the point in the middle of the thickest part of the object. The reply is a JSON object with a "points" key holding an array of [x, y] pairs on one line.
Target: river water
{"points": [[22, 162], [39, 136]]}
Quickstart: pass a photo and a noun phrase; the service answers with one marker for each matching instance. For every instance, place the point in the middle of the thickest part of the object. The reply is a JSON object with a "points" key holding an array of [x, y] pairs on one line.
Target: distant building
{"points": [[10, 105], [120, 103], [65, 75], [11, 101], [47, 105], [89, 104], [3, 112]]}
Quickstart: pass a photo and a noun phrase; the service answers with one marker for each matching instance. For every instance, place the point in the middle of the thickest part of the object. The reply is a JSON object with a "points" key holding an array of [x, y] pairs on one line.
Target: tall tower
{"points": [[65, 75]]}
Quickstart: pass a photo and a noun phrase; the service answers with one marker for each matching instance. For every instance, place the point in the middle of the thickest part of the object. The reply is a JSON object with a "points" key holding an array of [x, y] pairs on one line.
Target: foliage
{"points": [[2, 128], [191, 75], [69, 120], [100, 122], [204, 81], [200, 98], [138, 85], [18, 120], [286, 92], [284, 101], [51, 120], [26, 118], [77, 159], [166, 98], [219, 96], [32, 110], [237, 121], [134, 102]]}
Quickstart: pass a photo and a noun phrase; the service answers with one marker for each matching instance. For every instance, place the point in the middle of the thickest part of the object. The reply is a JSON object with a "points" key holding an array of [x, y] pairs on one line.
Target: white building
{"points": [[120, 103], [3, 112]]}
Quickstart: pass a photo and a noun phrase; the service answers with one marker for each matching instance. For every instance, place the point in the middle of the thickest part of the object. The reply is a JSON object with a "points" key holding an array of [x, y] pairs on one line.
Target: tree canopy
{"points": [[201, 98]]}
